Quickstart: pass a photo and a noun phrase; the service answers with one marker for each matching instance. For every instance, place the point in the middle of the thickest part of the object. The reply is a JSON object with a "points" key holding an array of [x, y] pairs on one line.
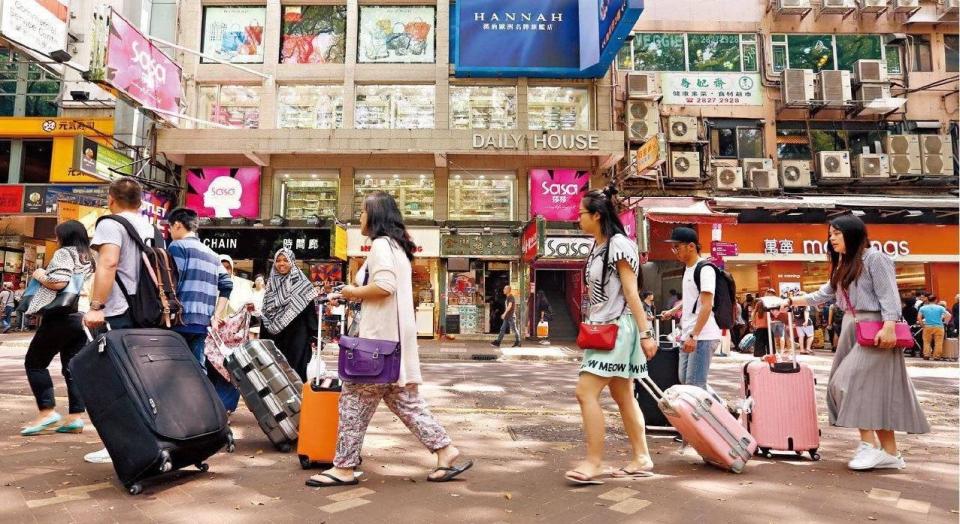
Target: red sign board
{"points": [[11, 198], [724, 249], [531, 241]]}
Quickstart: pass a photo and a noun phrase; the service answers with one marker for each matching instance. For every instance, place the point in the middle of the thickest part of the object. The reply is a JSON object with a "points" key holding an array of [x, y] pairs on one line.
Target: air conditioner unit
{"points": [[873, 6], [764, 180], [834, 88], [905, 6], [904, 153], [793, 7], [834, 164], [795, 173], [729, 178], [869, 71], [951, 6], [643, 120], [683, 128], [685, 165], [641, 84], [752, 164], [935, 154], [868, 92], [869, 165], [797, 86], [841, 5]]}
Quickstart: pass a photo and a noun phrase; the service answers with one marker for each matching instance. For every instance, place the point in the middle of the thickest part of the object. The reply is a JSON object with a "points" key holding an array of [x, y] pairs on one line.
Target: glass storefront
{"points": [[488, 196], [301, 195], [425, 285], [558, 108], [310, 107], [483, 107], [475, 299], [394, 107], [230, 105], [414, 192]]}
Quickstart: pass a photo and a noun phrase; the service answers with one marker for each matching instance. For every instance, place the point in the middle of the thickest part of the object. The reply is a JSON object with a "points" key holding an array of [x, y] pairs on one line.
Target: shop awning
{"points": [[696, 213], [838, 201]]}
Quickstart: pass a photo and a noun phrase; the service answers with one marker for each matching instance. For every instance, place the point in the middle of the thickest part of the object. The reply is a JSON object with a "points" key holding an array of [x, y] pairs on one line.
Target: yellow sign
{"points": [[649, 153], [40, 127], [87, 215], [339, 242]]}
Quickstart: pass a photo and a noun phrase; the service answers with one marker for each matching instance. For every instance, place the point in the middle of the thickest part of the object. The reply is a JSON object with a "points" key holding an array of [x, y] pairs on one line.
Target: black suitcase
{"points": [[152, 405], [664, 370]]}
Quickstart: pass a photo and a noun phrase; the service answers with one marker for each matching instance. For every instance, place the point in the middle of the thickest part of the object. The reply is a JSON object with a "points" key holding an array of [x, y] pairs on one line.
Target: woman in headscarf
{"points": [[289, 315]]}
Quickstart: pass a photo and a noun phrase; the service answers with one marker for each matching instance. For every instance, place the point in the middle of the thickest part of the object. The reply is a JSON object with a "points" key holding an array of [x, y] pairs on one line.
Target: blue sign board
{"points": [[539, 38]]}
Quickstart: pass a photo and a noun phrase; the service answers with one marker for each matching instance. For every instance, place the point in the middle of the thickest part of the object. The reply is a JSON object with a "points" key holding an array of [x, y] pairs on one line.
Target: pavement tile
{"points": [[618, 494], [884, 495], [630, 506], [916, 506], [337, 507], [352, 494]]}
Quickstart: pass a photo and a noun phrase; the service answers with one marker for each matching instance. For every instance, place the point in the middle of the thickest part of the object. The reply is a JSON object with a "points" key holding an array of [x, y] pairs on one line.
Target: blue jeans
{"points": [[695, 367], [7, 313], [508, 324], [196, 343]]}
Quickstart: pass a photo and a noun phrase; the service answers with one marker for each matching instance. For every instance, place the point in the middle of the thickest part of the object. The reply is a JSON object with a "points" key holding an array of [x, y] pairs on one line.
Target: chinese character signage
{"points": [[772, 246], [396, 34], [11, 198], [555, 194], [339, 244], [709, 89], [724, 249], [234, 34], [224, 192], [39, 25], [650, 153], [263, 242], [479, 246], [531, 241], [101, 161], [546, 38]]}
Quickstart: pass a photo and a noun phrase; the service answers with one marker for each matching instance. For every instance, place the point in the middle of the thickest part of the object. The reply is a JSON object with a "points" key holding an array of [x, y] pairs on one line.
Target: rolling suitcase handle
{"points": [[776, 365], [86, 331]]}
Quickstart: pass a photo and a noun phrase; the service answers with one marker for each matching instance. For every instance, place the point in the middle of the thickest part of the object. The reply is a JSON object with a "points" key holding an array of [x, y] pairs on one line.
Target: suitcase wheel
{"points": [[166, 464], [305, 462], [814, 455], [284, 448], [231, 444], [766, 453], [203, 467], [135, 489]]}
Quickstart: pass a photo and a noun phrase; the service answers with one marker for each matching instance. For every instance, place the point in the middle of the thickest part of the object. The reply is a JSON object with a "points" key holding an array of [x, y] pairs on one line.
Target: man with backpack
{"points": [[706, 305]]}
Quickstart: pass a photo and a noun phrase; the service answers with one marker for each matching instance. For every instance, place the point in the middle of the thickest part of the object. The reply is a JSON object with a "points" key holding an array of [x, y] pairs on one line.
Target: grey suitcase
{"points": [[270, 389]]}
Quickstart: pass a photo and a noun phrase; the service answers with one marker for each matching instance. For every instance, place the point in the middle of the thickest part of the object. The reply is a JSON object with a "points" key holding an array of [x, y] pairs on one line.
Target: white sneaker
{"points": [[98, 457], [860, 453], [876, 459]]}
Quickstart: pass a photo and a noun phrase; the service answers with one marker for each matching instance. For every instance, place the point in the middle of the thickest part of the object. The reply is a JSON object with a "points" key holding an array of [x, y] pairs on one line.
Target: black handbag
{"points": [[67, 299]]}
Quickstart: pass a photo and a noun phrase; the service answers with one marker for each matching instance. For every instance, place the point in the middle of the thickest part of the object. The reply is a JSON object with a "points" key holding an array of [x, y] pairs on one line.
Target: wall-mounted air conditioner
{"points": [[797, 86], [643, 120], [950, 6], [763, 180], [869, 71], [936, 155], [685, 165], [729, 178], [641, 85], [870, 165], [873, 6], [835, 88], [834, 164], [683, 129], [752, 164], [905, 6], [793, 7], [838, 6], [795, 173], [904, 153], [868, 92]]}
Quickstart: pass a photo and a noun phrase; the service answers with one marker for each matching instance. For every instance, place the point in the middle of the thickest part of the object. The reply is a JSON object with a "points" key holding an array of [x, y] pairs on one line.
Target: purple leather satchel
{"points": [[369, 361]]}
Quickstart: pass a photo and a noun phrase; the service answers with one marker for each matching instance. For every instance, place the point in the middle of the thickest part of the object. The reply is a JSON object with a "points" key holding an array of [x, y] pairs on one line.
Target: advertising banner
{"points": [[155, 207], [125, 60], [233, 34], [629, 219], [86, 215], [262, 242], [97, 160], [338, 248], [43, 199], [37, 24], [11, 198], [709, 89], [531, 241], [568, 248], [555, 194], [224, 192], [397, 34], [427, 240], [328, 274], [313, 34], [651, 152]]}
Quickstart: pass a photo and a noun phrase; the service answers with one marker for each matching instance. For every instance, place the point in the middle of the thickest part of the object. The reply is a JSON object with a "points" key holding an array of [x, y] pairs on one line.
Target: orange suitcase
{"points": [[319, 418]]}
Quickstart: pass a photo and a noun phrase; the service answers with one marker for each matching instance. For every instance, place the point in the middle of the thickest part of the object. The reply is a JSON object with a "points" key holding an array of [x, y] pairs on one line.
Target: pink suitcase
{"points": [[782, 404], [706, 424]]}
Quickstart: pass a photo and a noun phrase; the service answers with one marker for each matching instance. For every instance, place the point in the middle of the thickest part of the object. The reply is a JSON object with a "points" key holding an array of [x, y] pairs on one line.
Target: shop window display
{"points": [[233, 34], [310, 107], [230, 105], [304, 195], [483, 107], [482, 197], [414, 192], [558, 108], [396, 34], [394, 107], [475, 298], [313, 34]]}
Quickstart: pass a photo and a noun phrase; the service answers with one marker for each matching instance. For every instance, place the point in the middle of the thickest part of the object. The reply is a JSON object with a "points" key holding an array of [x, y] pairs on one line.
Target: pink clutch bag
{"points": [[867, 332]]}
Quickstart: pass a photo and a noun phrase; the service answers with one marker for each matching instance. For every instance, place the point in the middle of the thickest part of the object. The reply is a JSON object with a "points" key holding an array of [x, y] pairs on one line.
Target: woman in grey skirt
{"points": [[869, 386]]}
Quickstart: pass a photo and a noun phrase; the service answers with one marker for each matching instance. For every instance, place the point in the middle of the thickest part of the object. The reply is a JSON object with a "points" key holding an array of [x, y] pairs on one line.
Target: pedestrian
{"points": [[241, 296], [933, 318], [778, 328], [60, 331], [256, 296], [611, 276], [673, 298], [920, 298], [204, 289], [509, 318], [747, 310], [908, 312], [544, 313], [647, 298], [739, 325], [118, 258], [700, 333], [869, 387], [955, 316], [289, 313], [6, 305], [803, 325], [385, 290]]}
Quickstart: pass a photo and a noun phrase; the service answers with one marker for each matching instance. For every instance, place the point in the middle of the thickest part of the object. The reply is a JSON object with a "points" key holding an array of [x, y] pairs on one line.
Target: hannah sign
{"points": [[555, 194], [224, 192]]}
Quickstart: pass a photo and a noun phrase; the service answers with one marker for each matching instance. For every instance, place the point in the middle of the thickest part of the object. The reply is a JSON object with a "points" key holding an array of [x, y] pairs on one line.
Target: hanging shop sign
{"points": [[233, 34], [549, 38], [427, 241], [629, 220], [40, 127], [482, 246], [567, 247], [11, 198], [224, 192], [531, 241], [724, 249], [37, 25], [712, 89], [650, 153], [340, 242], [43, 199], [98, 160], [125, 60], [262, 242], [555, 194]]}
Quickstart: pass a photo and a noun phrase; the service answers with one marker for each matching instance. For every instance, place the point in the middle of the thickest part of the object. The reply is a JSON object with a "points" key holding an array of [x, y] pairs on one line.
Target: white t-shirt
{"points": [[128, 267], [691, 298]]}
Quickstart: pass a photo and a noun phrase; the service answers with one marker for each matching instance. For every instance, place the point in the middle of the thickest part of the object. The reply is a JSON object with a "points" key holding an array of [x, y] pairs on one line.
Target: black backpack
{"points": [[723, 299], [154, 303]]}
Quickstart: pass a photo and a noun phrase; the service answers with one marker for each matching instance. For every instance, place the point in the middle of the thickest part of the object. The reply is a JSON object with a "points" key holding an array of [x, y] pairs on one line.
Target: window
{"points": [[233, 34], [8, 83], [394, 107], [560, 108], [851, 48], [42, 91], [486, 196], [37, 157], [736, 142], [313, 34], [819, 52], [713, 52], [4, 161], [810, 52], [748, 50], [396, 34], [481, 107], [303, 195], [922, 56], [310, 107], [37, 87], [894, 63], [230, 105], [659, 52], [625, 56], [793, 143], [951, 47], [414, 192]]}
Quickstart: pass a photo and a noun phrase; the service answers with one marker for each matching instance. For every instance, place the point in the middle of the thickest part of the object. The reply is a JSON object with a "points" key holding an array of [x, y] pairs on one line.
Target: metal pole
{"points": [[208, 57]]}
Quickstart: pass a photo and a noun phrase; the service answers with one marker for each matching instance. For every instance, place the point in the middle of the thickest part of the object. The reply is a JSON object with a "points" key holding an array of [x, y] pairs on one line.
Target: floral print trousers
{"points": [[358, 403]]}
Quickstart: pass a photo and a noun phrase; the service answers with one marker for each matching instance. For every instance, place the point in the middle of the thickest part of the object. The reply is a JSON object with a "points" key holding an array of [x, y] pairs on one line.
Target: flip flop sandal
{"points": [[451, 472], [336, 481], [585, 481], [622, 473]]}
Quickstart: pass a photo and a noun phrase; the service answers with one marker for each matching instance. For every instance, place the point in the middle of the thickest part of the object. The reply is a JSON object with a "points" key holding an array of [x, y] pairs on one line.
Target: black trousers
{"points": [[762, 343], [61, 334], [295, 340]]}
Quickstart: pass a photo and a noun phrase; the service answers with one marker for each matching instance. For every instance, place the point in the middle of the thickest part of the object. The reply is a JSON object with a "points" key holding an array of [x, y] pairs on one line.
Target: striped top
{"points": [[607, 302], [202, 281], [875, 290]]}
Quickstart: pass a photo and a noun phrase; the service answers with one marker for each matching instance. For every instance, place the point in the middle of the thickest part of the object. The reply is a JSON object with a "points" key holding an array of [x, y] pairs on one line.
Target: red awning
{"points": [[697, 213]]}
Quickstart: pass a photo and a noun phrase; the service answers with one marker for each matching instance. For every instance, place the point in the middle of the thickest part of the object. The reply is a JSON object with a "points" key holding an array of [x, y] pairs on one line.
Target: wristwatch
{"points": [[97, 306], [645, 334]]}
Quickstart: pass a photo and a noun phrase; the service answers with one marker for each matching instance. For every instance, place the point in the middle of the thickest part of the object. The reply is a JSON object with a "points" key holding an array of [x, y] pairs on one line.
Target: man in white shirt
{"points": [[699, 330]]}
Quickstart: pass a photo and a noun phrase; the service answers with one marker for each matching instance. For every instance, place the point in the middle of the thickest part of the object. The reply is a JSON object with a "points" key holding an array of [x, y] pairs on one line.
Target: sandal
{"points": [[623, 473], [584, 479], [336, 481], [451, 472]]}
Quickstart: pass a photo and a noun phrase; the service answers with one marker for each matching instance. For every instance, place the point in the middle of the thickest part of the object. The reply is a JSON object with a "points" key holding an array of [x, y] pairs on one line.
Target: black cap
{"points": [[683, 235]]}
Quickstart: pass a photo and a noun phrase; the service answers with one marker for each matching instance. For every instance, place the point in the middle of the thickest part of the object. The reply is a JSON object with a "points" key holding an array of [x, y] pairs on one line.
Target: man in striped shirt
{"points": [[204, 287]]}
